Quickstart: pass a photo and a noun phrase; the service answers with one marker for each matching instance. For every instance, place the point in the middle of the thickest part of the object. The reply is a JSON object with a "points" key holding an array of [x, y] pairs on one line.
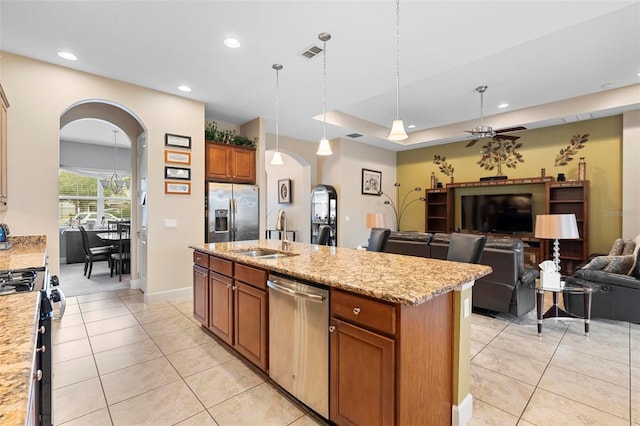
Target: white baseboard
{"points": [[461, 414], [168, 295]]}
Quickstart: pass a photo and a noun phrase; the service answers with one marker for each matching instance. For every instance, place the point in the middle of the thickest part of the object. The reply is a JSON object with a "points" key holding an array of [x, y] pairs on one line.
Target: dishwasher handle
{"points": [[317, 298]]}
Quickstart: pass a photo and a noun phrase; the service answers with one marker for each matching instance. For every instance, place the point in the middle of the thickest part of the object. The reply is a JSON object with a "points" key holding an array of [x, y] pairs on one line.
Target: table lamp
{"points": [[556, 227], [376, 220]]}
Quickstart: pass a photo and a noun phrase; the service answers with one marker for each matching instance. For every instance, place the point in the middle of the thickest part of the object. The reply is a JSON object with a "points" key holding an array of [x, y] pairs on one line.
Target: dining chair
{"points": [[122, 258], [324, 234], [466, 248], [378, 239], [92, 254]]}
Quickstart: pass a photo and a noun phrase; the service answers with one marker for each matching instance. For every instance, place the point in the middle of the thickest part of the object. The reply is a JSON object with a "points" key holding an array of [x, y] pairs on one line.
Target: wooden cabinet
{"points": [[382, 361], [570, 198], [230, 163], [230, 299], [4, 104], [200, 294], [437, 213], [362, 360]]}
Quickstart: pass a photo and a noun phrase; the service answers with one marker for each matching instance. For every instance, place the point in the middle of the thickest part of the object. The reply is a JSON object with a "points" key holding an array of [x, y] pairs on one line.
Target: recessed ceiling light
{"points": [[504, 105], [68, 56], [184, 88], [411, 126], [232, 43]]}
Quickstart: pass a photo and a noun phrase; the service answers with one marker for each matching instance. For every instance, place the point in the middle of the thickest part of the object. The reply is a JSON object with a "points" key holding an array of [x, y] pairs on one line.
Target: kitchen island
{"points": [[400, 325], [19, 322]]}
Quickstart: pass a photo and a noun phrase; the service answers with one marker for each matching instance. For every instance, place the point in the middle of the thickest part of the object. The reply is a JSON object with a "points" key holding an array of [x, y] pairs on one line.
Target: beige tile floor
{"points": [[119, 361]]}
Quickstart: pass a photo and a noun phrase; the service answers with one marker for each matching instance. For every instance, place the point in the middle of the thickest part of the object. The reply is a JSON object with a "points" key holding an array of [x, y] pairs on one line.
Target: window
{"points": [[83, 201]]}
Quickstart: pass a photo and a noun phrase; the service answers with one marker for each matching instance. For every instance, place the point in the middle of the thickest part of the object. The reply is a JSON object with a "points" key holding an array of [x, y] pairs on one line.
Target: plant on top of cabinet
{"points": [[230, 137]]}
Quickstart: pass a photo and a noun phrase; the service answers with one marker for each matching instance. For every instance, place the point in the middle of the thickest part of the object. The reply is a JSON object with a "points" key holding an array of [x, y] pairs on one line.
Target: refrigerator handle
{"points": [[234, 215]]}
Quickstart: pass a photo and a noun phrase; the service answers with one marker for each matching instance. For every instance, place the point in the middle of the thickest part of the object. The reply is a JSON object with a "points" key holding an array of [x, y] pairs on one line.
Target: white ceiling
{"points": [[528, 52]]}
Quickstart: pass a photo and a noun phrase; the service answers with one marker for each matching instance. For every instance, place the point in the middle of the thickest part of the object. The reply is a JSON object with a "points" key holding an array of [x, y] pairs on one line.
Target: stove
{"points": [[18, 280]]}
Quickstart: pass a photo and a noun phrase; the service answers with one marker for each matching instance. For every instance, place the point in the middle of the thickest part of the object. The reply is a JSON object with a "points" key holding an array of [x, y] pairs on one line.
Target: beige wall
{"points": [[603, 153], [39, 93], [343, 171]]}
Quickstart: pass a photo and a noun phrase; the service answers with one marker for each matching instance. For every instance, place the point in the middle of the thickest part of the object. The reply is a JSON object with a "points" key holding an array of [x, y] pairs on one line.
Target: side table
{"points": [[556, 311]]}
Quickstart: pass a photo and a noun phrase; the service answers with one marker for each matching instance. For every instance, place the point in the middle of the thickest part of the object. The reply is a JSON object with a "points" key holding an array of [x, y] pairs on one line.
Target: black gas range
{"points": [[37, 279]]}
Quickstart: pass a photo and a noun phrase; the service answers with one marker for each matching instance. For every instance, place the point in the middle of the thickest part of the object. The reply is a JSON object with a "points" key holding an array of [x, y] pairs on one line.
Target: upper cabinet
{"points": [[230, 163], [4, 104]]}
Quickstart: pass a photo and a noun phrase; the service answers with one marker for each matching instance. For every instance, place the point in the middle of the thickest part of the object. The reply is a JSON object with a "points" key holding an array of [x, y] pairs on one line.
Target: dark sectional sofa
{"points": [[616, 296], [510, 288]]}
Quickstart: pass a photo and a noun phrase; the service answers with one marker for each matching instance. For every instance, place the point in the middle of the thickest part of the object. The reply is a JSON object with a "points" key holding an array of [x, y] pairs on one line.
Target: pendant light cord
{"points": [[277, 106], [324, 88], [397, 59]]}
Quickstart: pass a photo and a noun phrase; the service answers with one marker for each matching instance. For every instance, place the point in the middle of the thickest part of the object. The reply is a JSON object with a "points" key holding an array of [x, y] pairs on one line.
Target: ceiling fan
{"points": [[483, 131]]}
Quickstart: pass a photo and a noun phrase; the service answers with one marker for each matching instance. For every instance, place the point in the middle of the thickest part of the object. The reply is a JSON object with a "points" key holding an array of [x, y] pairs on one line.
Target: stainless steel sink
{"points": [[260, 253]]}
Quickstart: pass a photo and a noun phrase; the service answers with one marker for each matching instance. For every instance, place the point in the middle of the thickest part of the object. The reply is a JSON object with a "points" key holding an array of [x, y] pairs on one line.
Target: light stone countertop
{"points": [[19, 316], [406, 280]]}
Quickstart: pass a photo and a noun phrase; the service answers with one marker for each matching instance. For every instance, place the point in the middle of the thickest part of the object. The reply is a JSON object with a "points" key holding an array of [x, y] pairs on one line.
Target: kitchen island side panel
{"points": [[425, 362]]}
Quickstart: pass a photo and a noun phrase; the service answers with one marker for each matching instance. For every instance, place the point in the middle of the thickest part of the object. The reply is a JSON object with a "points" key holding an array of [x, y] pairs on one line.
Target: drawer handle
{"points": [[38, 375], [234, 288], [42, 349], [332, 328], [356, 311]]}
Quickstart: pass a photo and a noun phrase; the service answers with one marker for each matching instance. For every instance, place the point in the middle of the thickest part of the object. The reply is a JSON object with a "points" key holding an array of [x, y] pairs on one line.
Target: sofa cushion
{"points": [[410, 236], [440, 238], [504, 243], [619, 264], [616, 249], [635, 269]]}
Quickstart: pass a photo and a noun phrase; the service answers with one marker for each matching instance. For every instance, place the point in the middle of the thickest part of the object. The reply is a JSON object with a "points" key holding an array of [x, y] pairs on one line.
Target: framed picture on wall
{"points": [[177, 157], [371, 182], [177, 173], [177, 188], [177, 140], [284, 191]]}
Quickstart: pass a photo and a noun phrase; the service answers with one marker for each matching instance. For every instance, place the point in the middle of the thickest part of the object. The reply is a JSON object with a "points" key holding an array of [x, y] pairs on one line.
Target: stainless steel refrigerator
{"points": [[232, 212]]}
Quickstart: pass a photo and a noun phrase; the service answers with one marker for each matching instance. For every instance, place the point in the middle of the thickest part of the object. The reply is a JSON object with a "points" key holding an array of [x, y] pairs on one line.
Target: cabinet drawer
{"points": [[201, 259], [221, 266], [254, 276], [366, 312]]}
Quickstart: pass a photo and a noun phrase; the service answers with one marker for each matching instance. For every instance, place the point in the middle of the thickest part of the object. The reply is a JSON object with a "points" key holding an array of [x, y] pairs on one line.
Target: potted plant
{"points": [[211, 133]]}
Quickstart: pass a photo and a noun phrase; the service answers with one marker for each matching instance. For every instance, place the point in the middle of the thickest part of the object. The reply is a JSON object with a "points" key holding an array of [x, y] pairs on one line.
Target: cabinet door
{"points": [[201, 295], [243, 165], [217, 160], [3, 150], [251, 323], [221, 307], [362, 385]]}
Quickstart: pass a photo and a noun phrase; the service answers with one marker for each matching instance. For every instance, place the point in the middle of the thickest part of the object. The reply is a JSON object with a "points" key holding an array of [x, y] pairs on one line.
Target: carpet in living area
{"points": [[73, 282]]}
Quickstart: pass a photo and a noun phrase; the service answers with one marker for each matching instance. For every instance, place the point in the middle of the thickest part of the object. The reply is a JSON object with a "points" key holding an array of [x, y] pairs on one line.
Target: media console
{"points": [[442, 213]]}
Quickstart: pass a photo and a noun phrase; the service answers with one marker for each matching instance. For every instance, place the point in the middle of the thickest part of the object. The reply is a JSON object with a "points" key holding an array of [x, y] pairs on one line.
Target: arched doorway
{"points": [[129, 124]]}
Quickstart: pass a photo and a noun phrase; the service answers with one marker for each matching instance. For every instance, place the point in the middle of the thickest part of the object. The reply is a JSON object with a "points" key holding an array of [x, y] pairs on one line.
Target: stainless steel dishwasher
{"points": [[299, 340]]}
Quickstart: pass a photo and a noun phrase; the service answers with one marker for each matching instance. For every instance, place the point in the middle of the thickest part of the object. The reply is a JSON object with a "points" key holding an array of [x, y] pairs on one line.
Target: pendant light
{"points": [[115, 183], [397, 129], [277, 157], [325, 147]]}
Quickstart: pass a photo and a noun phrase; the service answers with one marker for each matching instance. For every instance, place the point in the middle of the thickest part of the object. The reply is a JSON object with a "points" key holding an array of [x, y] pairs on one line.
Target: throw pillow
{"points": [[619, 264], [629, 248], [598, 263], [616, 249]]}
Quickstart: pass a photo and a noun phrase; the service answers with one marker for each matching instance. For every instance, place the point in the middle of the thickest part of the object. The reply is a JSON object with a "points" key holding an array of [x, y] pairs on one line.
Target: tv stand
{"points": [[560, 198]]}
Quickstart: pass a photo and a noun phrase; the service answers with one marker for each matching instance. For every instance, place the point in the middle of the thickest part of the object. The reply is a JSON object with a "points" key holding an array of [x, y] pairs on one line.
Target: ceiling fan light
{"points": [[276, 160], [397, 131], [324, 148]]}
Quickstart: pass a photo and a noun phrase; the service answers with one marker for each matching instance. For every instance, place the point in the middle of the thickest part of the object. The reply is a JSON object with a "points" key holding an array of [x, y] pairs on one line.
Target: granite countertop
{"points": [[26, 252], [406, 280], [19, 316]]}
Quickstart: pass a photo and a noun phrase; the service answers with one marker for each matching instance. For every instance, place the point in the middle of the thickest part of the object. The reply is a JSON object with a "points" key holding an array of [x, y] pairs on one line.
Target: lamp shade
{"points": [[556, 227], [276, 160], [376, 220], [324, 148], [397, 131]]}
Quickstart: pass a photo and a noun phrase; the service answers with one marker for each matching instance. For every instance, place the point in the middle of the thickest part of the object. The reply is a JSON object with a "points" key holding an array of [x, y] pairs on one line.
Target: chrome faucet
{"points": [[281, 226]]}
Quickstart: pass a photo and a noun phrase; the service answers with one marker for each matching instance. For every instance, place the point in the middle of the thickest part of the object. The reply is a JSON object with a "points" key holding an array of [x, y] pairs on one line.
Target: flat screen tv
{"points": [[497, 213]]}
